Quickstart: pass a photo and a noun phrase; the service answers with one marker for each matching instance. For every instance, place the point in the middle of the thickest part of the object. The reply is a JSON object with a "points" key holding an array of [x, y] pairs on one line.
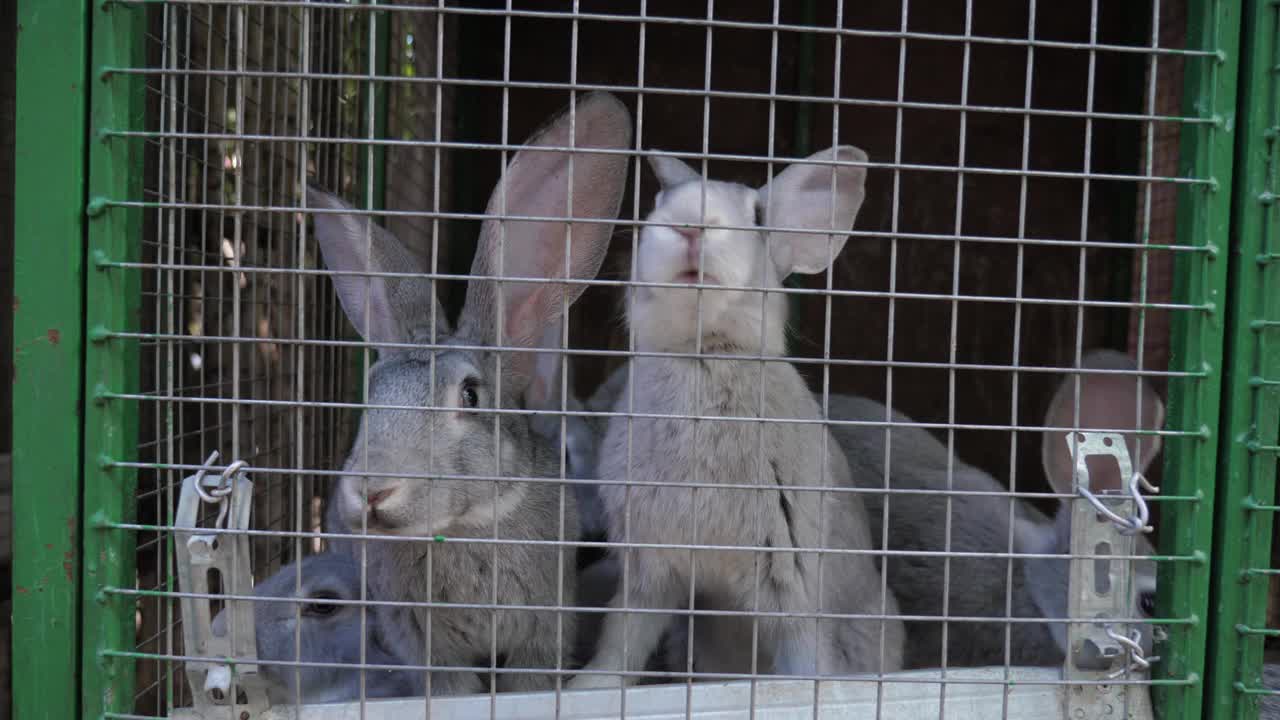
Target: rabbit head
{"points": [[1108, 401], [708, 233], [314, 630], [464, 378]]}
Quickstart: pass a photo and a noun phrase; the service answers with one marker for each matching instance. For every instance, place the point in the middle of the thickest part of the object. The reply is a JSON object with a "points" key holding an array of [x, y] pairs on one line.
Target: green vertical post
{"points": [[1251, 401], [47, 355], [113, 304], [1200, 278]]}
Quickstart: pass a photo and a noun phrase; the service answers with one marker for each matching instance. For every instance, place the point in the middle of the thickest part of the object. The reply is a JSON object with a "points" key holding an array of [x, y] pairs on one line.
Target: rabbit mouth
{"points": [[381, 521], [690, 277]]}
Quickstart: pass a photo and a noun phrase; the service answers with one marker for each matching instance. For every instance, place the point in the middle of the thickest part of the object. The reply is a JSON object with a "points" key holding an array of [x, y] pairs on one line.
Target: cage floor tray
{"points": [[970, 694]]}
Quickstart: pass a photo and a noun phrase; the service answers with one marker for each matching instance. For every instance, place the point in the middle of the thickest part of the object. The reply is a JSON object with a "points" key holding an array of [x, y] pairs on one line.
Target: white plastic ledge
{"points": [[774, 700]]}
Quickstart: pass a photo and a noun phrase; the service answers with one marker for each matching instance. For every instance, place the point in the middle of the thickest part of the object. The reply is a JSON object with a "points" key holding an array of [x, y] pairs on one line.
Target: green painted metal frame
{"points": [[113, 304], [1251, 411], [1200, 278], [48, 355], [67, 615]]}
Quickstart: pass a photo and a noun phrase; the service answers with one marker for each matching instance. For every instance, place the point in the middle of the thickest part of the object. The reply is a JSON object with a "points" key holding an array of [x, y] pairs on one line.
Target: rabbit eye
{"points": [[1147, 602], [321, 609], [470, 398]]}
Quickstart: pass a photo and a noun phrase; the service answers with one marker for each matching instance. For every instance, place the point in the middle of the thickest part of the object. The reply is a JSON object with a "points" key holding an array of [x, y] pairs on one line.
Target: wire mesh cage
{"points": [[669, 359]]}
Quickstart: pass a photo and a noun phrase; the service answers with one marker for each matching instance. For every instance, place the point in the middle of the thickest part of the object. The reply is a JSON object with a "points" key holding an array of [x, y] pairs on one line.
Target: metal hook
{"points": [[1128, 525], [1132, 643], [216, 491], [229, 471], [199, 482]]}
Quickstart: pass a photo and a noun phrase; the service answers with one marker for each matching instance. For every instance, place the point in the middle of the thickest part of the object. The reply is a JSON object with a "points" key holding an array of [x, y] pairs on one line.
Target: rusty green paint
{"points": [[1251, 406], [47, 355], [1200, 278]]}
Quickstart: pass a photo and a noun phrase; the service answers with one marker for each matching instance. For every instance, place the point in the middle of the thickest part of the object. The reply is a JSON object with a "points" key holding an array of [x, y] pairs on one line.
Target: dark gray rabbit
{"points": [[385, 491], [1270, 704], [981, 523], [581, 435], [817, 197], [315, 631]]}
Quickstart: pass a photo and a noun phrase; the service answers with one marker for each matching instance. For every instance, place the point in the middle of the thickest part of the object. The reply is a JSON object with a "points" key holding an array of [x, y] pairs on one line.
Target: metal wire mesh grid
{"points": [[1024, 140], [201, 310]]}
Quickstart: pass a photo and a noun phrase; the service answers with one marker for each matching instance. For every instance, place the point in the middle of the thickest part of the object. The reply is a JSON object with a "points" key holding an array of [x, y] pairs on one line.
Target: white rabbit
{"points": [[979, 524], [820, 198], [387, 489], [320, 632]]}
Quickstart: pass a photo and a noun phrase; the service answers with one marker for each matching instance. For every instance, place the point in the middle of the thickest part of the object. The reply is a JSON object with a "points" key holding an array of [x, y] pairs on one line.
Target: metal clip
{"points": [[1133, 523], [226, 676], [1100, 580], [1132, 643]]}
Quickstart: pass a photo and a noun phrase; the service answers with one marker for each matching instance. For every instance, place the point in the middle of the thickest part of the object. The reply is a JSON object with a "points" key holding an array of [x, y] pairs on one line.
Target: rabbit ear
{"points": [[537, 183], [1106, 402], [382, 309], [672, 171], [821, 197], [544, 388]]}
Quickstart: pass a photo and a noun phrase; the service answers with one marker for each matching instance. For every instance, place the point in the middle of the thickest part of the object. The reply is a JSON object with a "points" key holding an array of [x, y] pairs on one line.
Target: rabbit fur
{"points": [[319, 632], [383, 492], [737, 322], [979, 524], [580, 433], [1270, 704]]}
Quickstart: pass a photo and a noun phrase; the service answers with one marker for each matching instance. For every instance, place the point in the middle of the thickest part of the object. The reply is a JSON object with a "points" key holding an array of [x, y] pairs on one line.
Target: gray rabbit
{"points": [[979, 524], [815, 197], [390, 487], [316, 631]]}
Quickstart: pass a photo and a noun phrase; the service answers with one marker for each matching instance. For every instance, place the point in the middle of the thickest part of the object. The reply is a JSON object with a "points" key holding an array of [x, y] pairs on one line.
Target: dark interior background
{"points": [[912, 201]]}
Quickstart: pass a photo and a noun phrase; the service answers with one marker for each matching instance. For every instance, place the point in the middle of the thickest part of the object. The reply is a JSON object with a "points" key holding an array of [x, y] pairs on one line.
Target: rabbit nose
{"points": [[693, 236], [689, 233], [377, 497]]}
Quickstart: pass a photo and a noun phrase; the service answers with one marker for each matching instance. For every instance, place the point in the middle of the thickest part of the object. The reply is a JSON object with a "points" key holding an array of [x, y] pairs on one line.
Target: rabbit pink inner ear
{"points": [[672, 171], [544, 388], [537, 184], [822, 197], [382, 309], [1107, 402]]}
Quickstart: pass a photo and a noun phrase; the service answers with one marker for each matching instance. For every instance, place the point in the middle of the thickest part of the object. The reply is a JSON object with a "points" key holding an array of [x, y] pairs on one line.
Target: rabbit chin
{"points": [[666, 319]]}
